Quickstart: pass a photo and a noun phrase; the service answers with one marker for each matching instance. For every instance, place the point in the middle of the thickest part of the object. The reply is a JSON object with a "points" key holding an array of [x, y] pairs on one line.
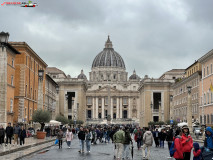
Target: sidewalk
{"points": [[30, 145]]}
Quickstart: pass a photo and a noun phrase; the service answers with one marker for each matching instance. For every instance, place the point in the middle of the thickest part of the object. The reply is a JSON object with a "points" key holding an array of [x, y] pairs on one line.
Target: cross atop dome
{"points": [[108, 43]]}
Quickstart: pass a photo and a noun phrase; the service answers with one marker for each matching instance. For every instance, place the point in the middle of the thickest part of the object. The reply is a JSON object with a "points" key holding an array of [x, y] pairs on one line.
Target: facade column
{"points": [[117, 108], [102, 107], [129, 109], [93, 107], [111, 108], [121, 108], [96, 111], [3, 86]]}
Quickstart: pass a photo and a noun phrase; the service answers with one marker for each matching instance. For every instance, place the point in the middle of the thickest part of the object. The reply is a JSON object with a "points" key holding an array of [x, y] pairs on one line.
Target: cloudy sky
{"points": [[152, 36]]}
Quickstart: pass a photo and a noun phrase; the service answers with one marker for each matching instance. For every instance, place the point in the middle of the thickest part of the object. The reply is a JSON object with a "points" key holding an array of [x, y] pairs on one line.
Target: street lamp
{"points": [[41, 74], [3, 39], [160, 112], [189, 109], [171, 107]]}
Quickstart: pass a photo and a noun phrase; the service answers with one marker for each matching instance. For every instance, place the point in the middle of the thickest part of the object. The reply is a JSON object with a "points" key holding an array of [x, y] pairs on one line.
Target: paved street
{"points": [[99, 151]]}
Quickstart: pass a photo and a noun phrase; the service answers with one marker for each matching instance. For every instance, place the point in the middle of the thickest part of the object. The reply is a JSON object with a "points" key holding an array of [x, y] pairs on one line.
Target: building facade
{"points": [[29, 91], [7, 83], [206, 89]]}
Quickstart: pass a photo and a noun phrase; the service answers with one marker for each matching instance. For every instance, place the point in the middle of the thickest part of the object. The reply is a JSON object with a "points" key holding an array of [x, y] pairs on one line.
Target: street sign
{"points": [[171, 121]]}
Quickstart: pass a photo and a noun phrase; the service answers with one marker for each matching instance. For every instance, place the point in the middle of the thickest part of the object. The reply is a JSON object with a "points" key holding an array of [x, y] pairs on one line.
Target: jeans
{"points": [[81, 142], [8, 137], [68, 143], [60, 143], [139, 143], [161, 143], [88, 144], [22, 140], [126, 151]]}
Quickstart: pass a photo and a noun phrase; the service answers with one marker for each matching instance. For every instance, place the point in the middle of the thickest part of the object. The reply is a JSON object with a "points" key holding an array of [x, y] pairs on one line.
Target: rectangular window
{"points": [[89, 101], [12, 62], [12, 80], [11, 105], [99, 101], [125, 101], [26, 59], [114, 101], [207, 118], [106, 100], [204, 72]]}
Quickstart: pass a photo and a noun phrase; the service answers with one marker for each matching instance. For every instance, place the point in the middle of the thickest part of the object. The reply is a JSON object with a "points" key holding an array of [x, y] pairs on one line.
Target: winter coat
{"points": [[156, 134], [196, 152], [22, 133], [81, 135], [119, 136], [138, 135], [16, 130], [128, 138], [208, 142], [178, 147], [187, 143], [2, 133], [69, 136], [60, 135], [9, 131], [162, 136], [148, 138], [88, 136], [169, 135]]}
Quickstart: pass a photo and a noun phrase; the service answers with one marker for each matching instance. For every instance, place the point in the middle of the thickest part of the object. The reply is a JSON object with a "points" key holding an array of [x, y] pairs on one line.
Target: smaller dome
{"points": [[82, 75], [134, 76]]}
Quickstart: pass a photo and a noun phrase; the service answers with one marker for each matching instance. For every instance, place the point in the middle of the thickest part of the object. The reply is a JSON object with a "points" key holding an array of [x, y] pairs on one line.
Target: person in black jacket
{"points": [[81, 137], [169, 137], [9, 133], [162, 137], [127, 141], [22, 135], [2, 134]]}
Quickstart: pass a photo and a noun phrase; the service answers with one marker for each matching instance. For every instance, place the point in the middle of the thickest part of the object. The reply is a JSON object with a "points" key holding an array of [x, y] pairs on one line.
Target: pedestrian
{"points": [[127, 141], [81, 137], [162, 137], [9, 133], [16, 131], [156, 137], [88, 138], [196, 152], [187, 143], [69, 137], [22, 135], [178, 150], [169, 137], [2, 135], [60, 138], [147, 143], [119, 138], [208, 140], [138, 137]]}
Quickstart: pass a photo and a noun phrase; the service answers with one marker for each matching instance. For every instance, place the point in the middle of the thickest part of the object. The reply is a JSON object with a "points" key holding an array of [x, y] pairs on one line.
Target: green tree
{"points": [[42, 117], [62, 119]]}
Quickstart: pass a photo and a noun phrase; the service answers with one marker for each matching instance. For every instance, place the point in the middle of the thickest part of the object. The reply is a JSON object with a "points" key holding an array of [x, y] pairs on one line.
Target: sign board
{"points": [[171, 121]]}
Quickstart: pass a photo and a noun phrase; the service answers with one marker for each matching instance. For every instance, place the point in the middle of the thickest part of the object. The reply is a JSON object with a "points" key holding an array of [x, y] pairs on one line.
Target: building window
{"points": [[99, 101], [114, 76], [207, 70], [89, 100], [25, 112], [125, 101], [30, 112], [114, 101], [89, 114], [204, 119], [26, 60], [204, 72], [12, 62], [208, 98], [106, 100], [99, 87], [11, 105], [99, 115], [31, 93], [12, 80], [207, 118], [200, 119], [26, 90], [125, 114]]}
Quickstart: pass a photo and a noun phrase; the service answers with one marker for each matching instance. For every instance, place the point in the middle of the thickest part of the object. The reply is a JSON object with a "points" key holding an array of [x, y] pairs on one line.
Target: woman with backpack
{"points": [[69, 137]]}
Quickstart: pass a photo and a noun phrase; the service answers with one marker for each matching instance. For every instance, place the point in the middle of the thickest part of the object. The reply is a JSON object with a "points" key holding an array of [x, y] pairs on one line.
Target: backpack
{"points": [[172, 150]]}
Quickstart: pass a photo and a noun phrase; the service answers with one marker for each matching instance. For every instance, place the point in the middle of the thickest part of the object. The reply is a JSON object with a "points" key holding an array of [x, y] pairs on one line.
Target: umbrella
{"points": [[132, 149]]}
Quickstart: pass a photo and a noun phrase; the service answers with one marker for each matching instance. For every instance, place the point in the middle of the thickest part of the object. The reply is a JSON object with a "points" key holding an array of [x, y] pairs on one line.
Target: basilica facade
{"points": [[108, 96]]}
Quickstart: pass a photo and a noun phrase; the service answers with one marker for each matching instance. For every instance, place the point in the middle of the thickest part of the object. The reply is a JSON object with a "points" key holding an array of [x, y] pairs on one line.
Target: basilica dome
{"points": [[108, 57], [82, 75]]}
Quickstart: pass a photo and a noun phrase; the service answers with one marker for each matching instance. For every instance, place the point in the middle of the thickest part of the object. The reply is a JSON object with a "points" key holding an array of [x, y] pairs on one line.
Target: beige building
{"points": [[206, 89]]}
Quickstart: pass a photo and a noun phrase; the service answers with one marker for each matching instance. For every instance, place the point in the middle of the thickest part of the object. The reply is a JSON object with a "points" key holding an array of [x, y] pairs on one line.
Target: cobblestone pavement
{"points": [[101, 151]]}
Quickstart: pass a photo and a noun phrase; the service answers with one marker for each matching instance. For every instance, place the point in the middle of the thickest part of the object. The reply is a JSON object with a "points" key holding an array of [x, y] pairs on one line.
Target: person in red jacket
{"points": [[178, 155], [197, 152], [187, 143]]}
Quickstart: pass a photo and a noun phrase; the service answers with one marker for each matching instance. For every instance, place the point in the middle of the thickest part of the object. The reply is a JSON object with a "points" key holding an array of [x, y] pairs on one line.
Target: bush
{"points": [[42, 117], [62, 119]]}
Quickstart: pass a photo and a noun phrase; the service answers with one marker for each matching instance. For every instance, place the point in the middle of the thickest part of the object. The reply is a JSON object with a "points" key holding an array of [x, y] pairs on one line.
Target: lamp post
{"points": [[57, 100], [109, 104], [40, 88], [3, 80], [171, 107], [160, 111], [151, 106], [189, 108]]}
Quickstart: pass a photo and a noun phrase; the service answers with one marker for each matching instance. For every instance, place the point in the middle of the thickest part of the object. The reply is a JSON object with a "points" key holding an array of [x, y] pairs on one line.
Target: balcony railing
{"points": [[155, 110]]}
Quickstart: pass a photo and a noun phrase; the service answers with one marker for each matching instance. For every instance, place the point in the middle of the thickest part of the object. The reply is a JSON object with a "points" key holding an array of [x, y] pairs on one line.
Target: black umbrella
{"points": [[132, 149]]}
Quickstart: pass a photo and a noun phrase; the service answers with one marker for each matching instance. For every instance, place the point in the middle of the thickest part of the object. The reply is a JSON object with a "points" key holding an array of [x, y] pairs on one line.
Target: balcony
{"points": [[10, 113]]}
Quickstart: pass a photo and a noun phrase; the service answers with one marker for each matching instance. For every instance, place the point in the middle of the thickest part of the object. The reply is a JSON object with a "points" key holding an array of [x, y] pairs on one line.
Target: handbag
{"points": [[56, 141]]}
